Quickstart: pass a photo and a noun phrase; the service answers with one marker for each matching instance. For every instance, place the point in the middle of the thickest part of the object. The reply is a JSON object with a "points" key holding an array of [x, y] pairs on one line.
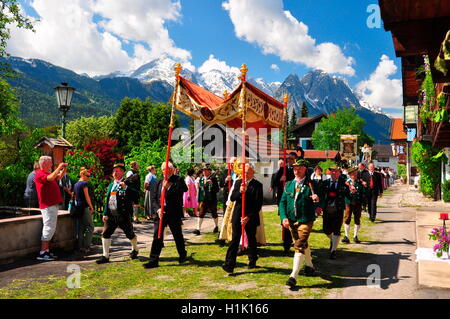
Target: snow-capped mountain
{"points": [[161, 69], [214, 80]]}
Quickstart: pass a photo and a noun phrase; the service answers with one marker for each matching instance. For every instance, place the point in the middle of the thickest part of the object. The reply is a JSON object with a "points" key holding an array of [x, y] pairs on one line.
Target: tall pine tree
{"points": [[304, 110], [292, 124]]}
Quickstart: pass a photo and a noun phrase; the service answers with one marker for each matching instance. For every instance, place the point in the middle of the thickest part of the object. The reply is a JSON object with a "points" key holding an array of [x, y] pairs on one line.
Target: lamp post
{"points": [[64, 95]]}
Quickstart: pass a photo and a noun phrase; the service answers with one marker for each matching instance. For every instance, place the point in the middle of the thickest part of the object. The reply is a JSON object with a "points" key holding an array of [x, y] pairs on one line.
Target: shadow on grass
{"points": [[355, 269]]}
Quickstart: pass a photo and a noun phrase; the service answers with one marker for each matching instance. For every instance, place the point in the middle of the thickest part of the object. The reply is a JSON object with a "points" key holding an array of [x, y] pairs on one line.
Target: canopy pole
{"points": [[178, 69], [244, 142], [227, 146], [285, 111]]}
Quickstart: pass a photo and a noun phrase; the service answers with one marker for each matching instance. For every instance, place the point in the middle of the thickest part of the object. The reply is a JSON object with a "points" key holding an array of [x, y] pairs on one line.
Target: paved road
{"points": [[393, 251]]}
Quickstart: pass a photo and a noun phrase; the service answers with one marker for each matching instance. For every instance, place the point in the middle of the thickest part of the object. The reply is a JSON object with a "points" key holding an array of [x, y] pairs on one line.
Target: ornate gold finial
{"points": [[178, 69], [225, 94], [244, 71], [286, 98]]}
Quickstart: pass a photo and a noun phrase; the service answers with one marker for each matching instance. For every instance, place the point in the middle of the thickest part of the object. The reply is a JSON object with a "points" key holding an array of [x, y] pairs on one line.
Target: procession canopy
{"points": [[263, 111]]}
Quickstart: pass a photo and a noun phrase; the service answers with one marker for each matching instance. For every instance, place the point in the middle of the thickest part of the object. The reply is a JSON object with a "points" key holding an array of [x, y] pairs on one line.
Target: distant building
{"points": [[384, 156], [304, 130]]}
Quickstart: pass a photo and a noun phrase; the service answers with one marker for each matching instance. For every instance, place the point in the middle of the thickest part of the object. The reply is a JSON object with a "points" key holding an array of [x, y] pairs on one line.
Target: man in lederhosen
{"points": [[173, 213], [298, 208], [118, 211], [353, 205], [333, 197], [254, 200]]}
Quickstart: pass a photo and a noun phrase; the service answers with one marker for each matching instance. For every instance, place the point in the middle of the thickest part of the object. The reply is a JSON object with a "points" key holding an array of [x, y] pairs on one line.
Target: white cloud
{"points": [[214, 64], [276, 31], [380, 90], [275, 67], [68, 36]]}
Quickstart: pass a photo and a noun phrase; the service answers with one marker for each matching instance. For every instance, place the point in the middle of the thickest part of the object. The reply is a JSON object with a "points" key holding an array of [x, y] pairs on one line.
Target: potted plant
{"points": [[442, 236]]}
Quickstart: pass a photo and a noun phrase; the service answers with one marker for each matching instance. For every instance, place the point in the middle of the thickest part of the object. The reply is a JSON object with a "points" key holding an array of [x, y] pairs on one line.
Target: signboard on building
{"points": [[411, 115]]}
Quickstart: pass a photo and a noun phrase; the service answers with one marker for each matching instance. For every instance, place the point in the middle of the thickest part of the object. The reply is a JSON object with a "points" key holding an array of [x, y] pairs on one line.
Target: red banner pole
{"points": [[285, 99], [169, 143], [244, 142]]}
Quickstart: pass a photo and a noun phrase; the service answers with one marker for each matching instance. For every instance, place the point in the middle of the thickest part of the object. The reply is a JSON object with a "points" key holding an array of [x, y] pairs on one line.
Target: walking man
{"points": [[135, 182], [173, 213], [375, 190], [298, 208], [333, 204], [118, 211], [49, 198], [279, 184], [209, 205], [254, 200], [353, 206]]}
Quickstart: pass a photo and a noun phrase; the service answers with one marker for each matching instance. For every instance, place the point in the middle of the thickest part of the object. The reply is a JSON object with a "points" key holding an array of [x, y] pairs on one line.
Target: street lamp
{"points": [[64, 95]]}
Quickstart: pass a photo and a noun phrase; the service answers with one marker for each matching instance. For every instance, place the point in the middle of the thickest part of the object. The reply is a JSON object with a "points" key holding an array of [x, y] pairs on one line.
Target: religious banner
{"points": [[349, 147]]}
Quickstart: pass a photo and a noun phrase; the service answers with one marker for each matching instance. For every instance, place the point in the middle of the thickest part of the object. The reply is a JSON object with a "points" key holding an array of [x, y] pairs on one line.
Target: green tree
{"points": [[345, 121], [292, 124], [9, 108], [85, 130], [304, 111], [139, 122]]}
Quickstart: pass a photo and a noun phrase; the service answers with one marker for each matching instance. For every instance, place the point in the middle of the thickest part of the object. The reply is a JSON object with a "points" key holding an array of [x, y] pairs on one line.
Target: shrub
{"points": [[446, 191]]}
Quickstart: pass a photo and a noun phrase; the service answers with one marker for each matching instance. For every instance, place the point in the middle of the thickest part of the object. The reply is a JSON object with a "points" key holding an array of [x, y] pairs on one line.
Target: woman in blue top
{"points": [[150, 181], [85, 224]]}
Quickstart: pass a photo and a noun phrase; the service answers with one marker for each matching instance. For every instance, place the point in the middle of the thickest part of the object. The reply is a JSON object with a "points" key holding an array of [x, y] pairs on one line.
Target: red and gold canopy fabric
{"points": [[262, 111]]}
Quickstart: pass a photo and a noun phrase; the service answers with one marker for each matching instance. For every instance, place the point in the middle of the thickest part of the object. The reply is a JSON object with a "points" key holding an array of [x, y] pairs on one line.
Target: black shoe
{"points": [[356, 240], [221, 242], [291, 282], [153, 263], [309, 271], [346, 240], [229, 269], [252, 265], [102, 260], [333, 255], [134, 254], [182, 258], [241, 252], [196, 232], [216, 229]]}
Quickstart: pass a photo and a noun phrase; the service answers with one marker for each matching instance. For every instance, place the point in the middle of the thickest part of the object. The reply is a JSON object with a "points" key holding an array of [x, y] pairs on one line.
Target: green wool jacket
{"points": [[358, 196], [305, 207]]}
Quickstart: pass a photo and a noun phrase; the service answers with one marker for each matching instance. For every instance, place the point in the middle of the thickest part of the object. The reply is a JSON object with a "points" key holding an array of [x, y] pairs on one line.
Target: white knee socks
{"points": [[346, 229], [335, 241], [106, 243], [299, 258], [357, 227]]}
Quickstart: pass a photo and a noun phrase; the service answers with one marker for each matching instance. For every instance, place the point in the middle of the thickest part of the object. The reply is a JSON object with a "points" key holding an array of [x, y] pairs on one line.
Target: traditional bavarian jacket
{"points": [[356, 197], [124, 199], [296, 203], [334, 194]]}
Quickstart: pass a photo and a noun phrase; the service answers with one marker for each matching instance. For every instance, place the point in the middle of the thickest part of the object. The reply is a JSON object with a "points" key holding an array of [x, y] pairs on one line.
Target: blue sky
{"points": [[273, 37]]}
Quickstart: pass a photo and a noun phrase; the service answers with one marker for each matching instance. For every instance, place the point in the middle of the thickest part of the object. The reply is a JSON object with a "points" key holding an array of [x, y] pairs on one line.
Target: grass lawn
{"points": [[200, 277]]}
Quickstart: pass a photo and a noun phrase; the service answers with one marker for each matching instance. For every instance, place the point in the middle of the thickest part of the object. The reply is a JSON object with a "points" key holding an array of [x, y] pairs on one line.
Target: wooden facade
{"points": [[56, 148], [418, 28]]}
